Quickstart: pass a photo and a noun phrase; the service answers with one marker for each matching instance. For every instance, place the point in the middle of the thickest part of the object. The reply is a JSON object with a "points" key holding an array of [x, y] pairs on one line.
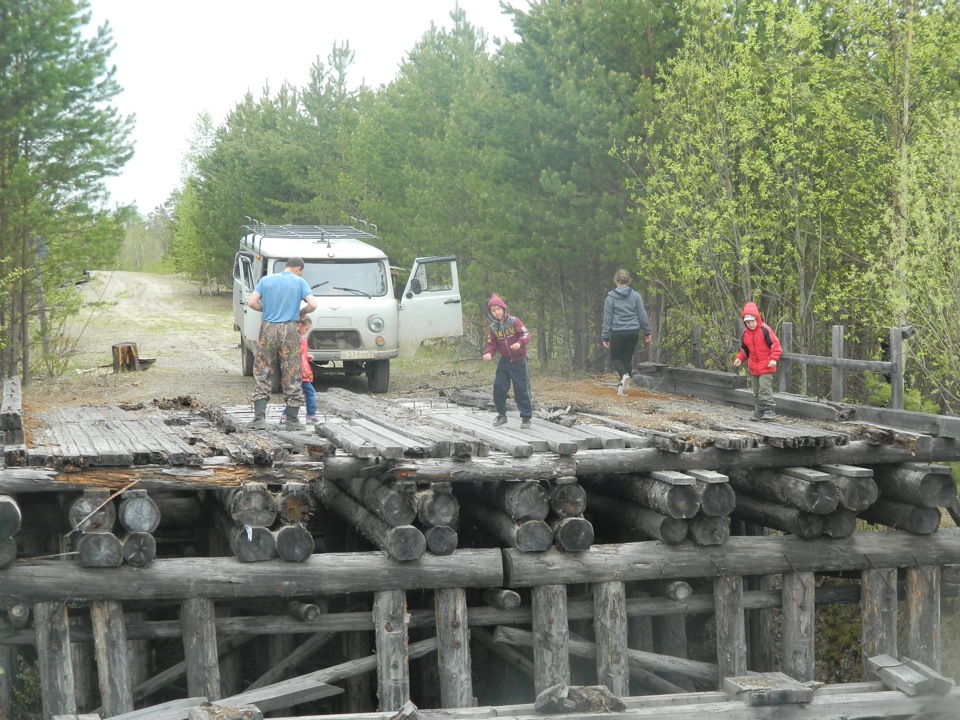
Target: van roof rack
{"points": [[307, 232]]}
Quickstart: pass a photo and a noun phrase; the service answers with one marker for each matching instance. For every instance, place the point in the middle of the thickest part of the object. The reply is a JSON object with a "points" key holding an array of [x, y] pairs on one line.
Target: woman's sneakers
{"points": [[622, 387]]}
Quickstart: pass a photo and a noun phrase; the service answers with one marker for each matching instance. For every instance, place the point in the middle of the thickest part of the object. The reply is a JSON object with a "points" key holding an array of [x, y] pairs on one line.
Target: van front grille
{"points": [[334, 340]]}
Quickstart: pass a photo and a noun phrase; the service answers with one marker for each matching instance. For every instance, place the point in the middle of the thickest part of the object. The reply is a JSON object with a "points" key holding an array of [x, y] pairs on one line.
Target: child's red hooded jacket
{"points": [[760, 345]]}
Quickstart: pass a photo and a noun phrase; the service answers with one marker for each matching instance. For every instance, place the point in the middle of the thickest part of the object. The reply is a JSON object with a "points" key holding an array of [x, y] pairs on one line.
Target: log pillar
{"points": [[610, 626], [923, 615], [798, 625], [551, 630], [453, 653], [393, 662], [53, 655], [197, 616], [8, 671], [110, 647], [878, 604], [125, 357], [731, 626]]}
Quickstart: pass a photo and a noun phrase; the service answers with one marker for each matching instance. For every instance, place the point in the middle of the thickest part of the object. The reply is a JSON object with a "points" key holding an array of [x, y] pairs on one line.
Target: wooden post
{"points": [[393, 663], [610, 627], [798, 625], [551, 655], [836, 372], [696, 345], [197, 615], [8, 671], [125, 357], [453, 653], [53, 655], [110, 646], [878, 603], [896, 375], [786, 344], [731, 626], [923, 615]]}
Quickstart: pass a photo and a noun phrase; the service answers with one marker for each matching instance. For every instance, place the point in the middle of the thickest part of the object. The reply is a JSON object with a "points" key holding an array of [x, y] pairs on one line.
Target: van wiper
{"points": [[354, 290], [314, 287]]}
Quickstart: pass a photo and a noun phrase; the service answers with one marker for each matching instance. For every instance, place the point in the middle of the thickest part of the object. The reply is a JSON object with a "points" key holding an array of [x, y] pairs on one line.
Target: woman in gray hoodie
{"points": [[624, 319]]}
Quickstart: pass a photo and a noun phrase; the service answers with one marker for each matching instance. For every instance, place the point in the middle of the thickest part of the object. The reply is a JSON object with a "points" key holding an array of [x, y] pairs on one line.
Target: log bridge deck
{"points": [[505, 526]]}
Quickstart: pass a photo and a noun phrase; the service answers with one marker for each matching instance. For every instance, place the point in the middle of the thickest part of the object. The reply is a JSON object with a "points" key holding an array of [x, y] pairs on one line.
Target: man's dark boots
{"points": [[293, 419], [259, 416]]}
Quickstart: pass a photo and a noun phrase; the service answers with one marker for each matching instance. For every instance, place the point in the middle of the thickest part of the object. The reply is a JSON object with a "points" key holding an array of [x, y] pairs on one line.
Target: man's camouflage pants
{"points": [[278, 350]]}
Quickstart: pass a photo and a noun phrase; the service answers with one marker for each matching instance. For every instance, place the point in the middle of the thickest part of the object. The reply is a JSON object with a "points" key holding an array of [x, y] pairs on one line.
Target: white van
{"points": [[360, 324]]}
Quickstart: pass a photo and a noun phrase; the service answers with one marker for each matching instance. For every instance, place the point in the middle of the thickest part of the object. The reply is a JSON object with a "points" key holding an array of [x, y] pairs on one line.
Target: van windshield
{"points": [[352, 277]]}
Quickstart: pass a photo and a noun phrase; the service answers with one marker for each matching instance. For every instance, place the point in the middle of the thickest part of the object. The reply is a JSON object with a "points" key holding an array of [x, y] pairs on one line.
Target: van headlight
{"points": [[375, 323]]}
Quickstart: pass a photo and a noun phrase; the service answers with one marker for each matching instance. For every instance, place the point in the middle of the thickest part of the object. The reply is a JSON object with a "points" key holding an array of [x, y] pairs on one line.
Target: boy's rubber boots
{"points": [[259, 416], [768, 414], [757, 414], [293, 419]]}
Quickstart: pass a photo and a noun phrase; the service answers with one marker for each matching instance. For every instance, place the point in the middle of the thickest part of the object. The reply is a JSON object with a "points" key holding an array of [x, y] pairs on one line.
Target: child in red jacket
{"points": [[760, 347], [508, 336]]}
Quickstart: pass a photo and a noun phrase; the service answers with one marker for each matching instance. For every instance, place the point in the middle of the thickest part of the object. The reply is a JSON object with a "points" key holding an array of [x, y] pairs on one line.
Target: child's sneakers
{"points": [[622, 387], [311, 418], [283, 417]]}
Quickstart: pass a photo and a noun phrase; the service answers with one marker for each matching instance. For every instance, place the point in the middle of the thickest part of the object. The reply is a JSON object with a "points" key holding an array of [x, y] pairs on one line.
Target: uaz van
{"points": [[359, 324]]}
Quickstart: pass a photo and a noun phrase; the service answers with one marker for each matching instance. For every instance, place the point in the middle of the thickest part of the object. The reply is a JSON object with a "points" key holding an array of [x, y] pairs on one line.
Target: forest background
{"points": [[804, 154]]}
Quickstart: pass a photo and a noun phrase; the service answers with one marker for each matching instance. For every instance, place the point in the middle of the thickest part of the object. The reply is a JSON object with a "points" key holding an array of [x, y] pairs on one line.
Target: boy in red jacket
{"points": [[760, 347], [508, 336]]}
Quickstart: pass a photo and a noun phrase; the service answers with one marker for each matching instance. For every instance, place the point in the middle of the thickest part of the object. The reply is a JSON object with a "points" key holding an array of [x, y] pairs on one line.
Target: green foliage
{"points": [[27, 704], [879, 393]]}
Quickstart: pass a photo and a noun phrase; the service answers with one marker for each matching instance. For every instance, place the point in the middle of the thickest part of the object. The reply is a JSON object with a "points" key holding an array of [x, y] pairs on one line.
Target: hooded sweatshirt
{"points": [[506, 332], [623, 312], [760, 345]]}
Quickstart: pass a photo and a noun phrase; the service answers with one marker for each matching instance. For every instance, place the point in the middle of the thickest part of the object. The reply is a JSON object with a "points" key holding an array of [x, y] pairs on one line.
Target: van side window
{"points": [[435, 277]]}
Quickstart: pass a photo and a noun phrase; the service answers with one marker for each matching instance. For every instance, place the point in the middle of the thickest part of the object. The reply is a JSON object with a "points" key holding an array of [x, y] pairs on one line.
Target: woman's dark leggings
{"points": [[622, 348]]}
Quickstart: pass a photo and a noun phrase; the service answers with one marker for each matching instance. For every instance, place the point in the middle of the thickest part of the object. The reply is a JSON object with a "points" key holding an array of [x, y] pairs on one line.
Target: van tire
{"points": [[378, 375], [246, 360]]}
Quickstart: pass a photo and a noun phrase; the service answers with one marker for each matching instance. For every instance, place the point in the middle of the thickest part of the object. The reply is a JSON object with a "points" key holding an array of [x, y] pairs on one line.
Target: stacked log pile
{"points": [[911, 495], [666, 505], [10, 518], [261, 524]]}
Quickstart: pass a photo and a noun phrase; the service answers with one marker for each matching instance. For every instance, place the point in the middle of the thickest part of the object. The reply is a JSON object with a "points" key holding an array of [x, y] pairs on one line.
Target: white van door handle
{"points": [[451, 302]]}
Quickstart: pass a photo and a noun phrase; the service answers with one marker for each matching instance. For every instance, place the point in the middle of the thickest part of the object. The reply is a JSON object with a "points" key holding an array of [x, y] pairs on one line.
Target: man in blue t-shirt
{"points": [[278, 297]]}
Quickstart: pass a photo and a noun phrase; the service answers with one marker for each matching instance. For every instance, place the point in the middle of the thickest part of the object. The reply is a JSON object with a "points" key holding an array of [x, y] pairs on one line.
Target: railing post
{"points": [[923, 615], [786, 344], [836, 373], [696, 345], [896, 374]]}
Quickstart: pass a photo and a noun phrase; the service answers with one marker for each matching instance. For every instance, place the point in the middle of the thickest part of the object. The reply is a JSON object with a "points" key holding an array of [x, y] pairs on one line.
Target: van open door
{"points": [[246, 319], [430, 306]]}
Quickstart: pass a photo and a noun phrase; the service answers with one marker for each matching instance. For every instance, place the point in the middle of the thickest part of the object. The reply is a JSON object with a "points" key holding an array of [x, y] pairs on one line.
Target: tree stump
{"points": [[125, 358]]}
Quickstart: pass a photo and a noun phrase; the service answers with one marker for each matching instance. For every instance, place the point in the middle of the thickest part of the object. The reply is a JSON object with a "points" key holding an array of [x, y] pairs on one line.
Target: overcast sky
{"points": [[178, 58]]}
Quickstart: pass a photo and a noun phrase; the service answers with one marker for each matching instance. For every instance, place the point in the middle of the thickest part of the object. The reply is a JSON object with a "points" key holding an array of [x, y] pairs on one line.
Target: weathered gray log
{"points": [[251, 505], [308, 612], [282, 662], [673, 500], [901, 516], [856, 485], [400, 543], [178, 670], [799, 592], [567, 498], [923, 484], [672, 589], [52, 626], [437, 506], [125, 357], [551, 636], [138, 548], [110, 646], [200, 647], [629, 516], [294, 543], [453, 638], [923, 615], [101, 549], [441, 539], [217, 711], [709, 529], [896, 675], [788, 519], [840, 523], [523, 500], [878, 614], [501, 598], [393, 665], [610, 628], [18, 615], [542, 466], [717, 498], [8, 552], [702, 672], [295, 503], [93, 512], [940, 684], [392, 505], [524, 535], [801, 488], [138, 512], [731, 626], [10, 517], [572, 534], [179, 512], [953, 509], [252, 544]]}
